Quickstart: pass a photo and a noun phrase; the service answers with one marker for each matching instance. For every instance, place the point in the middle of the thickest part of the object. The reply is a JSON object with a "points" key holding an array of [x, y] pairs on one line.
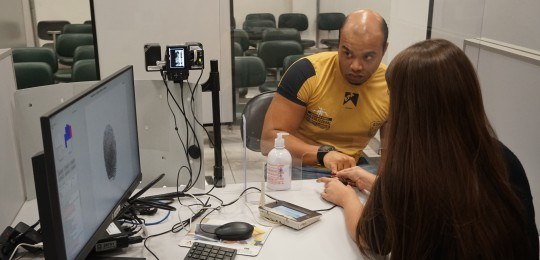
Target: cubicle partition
{"points": [[123, 27], [11, 187], [160, 149]]}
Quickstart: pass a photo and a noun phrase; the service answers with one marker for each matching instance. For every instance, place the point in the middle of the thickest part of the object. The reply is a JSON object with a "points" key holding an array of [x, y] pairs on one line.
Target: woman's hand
{"points": [[336, 192], [356, 176]]}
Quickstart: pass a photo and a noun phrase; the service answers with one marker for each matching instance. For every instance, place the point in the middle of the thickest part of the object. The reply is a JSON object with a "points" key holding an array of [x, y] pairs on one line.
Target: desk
{"points": [[325, 239]]}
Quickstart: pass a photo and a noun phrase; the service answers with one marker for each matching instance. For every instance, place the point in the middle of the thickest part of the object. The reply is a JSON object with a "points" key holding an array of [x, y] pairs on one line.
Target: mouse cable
{"points": [[175, 229]]}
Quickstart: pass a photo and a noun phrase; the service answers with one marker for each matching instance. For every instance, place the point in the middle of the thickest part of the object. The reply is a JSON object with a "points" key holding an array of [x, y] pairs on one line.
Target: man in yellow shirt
{"points": [[333, 103]]}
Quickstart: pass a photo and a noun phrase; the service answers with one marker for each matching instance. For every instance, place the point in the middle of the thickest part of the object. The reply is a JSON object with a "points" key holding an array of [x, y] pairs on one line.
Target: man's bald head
{"points": [[365, 22]]}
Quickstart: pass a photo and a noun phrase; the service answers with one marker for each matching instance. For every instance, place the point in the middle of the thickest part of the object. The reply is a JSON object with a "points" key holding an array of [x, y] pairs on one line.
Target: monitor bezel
{"points": [[47, 188]]}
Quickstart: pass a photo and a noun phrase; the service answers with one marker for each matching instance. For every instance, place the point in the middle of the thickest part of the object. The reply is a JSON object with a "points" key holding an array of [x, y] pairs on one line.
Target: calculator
{"points": [[210, 252]]}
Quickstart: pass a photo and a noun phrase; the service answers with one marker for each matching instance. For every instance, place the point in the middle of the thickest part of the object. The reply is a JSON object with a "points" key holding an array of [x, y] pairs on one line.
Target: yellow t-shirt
{"points": [[338, 113]]}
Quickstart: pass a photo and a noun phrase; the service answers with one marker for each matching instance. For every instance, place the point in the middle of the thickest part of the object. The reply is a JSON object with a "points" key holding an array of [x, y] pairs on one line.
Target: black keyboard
{"points": [[210, 252]]}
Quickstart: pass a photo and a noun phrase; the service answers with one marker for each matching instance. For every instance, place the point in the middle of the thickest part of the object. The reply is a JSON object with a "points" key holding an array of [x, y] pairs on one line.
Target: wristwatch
{"points": [[323, 150]]}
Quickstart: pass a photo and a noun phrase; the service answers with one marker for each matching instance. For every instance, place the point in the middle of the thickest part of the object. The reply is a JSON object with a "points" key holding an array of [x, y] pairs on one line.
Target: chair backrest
{"points": [[32, 74], [255, 28], [273, 52], [67, 43], [237, 49], [289, 60], [43, 27], [249, 71], [297, 21], [36, 54], [240, 36], [254, 112], [330, 21], [282, 34], [261, 16], [84, 52], [84, 70], [77, 28]]}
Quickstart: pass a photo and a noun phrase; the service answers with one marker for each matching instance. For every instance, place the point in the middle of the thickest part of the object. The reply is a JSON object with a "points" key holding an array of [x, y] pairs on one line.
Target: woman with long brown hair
{"points": [[446, 187]]}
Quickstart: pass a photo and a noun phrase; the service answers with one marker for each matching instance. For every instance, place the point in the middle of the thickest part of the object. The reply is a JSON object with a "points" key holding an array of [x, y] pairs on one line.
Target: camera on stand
{"points": [[179, 59]]}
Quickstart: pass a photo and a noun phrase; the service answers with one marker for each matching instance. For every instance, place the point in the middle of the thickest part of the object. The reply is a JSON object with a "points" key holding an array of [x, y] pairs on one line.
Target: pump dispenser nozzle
{"points": [[279, 141]]}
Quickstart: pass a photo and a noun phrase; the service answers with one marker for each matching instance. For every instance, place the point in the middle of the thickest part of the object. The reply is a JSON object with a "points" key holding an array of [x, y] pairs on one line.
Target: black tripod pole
{"points": [[213, 85]]}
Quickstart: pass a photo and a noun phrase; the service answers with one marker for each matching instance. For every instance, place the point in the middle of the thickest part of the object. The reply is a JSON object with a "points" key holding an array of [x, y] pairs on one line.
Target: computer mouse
{"points": [[234, 231]]}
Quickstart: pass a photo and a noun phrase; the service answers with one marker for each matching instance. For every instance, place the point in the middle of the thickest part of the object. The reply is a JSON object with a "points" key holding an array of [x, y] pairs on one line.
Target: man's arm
{"points": [[284, 115]]}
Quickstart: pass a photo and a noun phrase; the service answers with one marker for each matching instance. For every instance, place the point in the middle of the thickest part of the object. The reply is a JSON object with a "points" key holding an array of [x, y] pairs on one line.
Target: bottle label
{"points": [[278, 174]]}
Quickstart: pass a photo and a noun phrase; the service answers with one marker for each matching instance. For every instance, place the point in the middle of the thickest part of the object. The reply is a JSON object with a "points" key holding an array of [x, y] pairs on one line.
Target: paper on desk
{"points": [[249, 247]]}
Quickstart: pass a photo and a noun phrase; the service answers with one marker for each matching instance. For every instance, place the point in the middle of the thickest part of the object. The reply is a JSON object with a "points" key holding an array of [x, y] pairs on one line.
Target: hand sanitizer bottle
{"points": [[278, 166]]}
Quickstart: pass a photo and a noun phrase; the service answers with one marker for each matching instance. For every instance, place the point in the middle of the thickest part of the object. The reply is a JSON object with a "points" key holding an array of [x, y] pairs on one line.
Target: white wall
{"points": [[121, 41], [12, 26], [11, 187], [509, 84], [408, 23]]}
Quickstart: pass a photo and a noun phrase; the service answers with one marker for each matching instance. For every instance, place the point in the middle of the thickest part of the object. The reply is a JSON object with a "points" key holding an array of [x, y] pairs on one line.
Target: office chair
{"points": [[261, 16], [330, 22], [249, 71], [36, 54], [32, 74], [273, 53], [84, 70], [49, 30], [289, 60], [255, 28], [237, 49], [254, 112], [240, 36], [82, 52], [297, 21], [281, 34], [67, 43], [77, 28]]}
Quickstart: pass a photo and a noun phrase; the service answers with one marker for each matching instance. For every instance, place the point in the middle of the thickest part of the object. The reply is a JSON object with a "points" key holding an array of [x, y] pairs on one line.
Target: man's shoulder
{"points": [[322, 58]]}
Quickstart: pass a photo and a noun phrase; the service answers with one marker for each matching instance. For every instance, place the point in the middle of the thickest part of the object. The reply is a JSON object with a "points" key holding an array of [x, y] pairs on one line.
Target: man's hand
{"points": [[356, 176], [336, 161]]}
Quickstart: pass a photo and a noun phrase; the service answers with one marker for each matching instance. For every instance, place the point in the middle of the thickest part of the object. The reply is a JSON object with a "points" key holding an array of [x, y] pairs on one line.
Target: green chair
{"points": [[84, 70], [77, 28], [289, 60], [67, 43], [32, 74], [261, 16], [237, 49], [36, 54], [240, 36], [249, 71], [297, 21], [273, 53], [281, 34], [330, 22], [255, 28], [49, 30], [83, 52]]}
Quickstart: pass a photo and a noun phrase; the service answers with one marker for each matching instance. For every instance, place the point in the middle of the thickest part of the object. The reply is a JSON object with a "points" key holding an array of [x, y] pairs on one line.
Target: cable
{"points": [[328, 209], [38, 245], [159, 221]]}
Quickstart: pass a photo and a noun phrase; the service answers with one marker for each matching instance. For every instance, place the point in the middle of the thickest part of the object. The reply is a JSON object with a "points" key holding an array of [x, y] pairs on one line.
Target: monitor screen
{"points": [[91, 165]]}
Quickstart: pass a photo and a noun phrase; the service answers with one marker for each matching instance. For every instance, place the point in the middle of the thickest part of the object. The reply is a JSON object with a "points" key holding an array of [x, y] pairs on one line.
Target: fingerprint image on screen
{"points": [[109, 152]]}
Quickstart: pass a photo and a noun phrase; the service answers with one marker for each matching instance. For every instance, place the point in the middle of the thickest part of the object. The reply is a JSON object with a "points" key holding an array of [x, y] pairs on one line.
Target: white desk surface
{"points": [[325, 239]]}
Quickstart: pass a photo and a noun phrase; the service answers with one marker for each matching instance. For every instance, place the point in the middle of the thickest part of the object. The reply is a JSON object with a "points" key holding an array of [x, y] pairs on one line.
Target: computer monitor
{"points": [[91, 165]]}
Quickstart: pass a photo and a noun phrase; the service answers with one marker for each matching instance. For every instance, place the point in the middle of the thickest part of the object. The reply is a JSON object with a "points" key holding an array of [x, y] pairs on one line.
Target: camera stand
{"points": [[213, 85]]}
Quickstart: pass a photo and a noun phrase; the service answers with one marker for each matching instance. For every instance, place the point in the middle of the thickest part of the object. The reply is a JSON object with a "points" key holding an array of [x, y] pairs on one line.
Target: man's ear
{"points": [[385, 48]]}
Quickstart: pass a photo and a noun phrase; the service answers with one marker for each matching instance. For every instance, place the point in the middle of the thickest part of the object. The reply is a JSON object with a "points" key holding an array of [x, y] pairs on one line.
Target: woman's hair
{"points": [[443, 189]]}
